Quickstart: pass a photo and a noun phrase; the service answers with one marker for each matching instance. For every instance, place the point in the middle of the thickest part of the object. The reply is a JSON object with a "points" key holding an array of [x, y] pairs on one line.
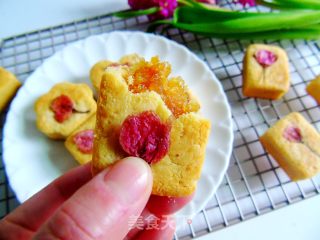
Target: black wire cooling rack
{"points": [[254, 184]]}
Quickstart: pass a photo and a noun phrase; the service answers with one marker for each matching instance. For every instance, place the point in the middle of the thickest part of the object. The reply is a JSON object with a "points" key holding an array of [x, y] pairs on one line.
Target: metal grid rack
{"points": [[254, 184]]}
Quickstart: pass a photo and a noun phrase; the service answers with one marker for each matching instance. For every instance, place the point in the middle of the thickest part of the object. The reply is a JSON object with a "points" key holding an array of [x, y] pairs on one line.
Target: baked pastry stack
{"points": [[142, 112], [295, 144]]}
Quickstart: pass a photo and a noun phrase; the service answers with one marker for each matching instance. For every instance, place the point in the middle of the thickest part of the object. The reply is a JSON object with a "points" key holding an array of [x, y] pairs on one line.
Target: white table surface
{"points": [[296, 222], [299, 221], [18, 16]]}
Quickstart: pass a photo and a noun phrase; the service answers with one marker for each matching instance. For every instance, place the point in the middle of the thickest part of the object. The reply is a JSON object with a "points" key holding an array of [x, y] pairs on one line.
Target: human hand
{"points": [[77, 206]]}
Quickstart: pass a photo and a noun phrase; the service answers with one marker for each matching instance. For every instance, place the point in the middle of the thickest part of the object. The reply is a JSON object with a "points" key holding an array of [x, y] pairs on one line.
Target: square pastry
{"points": [[80, 142], [65, 107], [313, 89], [265, 72], [295, 144], [9, 84], [134, 119]]}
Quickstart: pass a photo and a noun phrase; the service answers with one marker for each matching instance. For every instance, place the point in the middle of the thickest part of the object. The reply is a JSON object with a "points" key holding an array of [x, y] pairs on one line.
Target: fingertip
{"points": [[131, 177], [139, 162]]}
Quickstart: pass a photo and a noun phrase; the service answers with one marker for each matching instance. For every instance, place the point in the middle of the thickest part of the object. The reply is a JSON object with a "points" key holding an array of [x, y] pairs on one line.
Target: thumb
{"points": [[104, 207]]}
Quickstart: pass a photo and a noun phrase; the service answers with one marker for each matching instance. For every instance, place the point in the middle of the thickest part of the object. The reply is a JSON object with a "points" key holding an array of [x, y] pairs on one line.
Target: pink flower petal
{"points": [[251, 3], [207, 1], [145, 136], [140, 4], [265, 58], [84, 141], [167, 7], [62, 107], [292, 134]]}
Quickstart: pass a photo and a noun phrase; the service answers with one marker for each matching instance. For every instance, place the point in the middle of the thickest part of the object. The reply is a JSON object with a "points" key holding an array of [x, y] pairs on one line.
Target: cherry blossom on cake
{"points": [[84, 141], [292, 134], [62, 107], [265, 58], [145, 136]]}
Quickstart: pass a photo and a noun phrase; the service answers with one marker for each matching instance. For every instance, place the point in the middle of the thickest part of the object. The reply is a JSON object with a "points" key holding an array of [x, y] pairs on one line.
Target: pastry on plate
{"points": [[313, 89], [60, 111], [100, 67], [142, 112], [9, 84], [295, 144], [265, 72], [80, 142], [97, 71]]}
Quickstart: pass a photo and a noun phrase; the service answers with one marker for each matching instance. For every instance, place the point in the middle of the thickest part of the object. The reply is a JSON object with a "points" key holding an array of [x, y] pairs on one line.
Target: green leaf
{"points": [[223, 23], [306, 34], [309, 33], [196, 15], [131, 13], [292, 4], [191, 3], [259, 23]]}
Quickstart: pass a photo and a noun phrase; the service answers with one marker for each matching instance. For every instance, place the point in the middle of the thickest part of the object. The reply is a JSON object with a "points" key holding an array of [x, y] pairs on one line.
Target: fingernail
{"points": [[130, 178]]}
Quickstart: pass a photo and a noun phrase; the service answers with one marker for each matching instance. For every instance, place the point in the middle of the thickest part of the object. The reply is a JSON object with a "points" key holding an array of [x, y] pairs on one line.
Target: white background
{"points": [[20, 16], [298, 221]]}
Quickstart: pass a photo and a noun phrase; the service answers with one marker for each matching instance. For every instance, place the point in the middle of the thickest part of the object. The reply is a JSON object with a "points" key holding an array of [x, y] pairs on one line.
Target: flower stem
{"points": [[130, 13]]}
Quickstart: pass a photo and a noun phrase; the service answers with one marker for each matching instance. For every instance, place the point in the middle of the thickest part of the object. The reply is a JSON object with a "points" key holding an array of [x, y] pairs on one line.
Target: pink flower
{"points": [[140, 4], [265, 58], [84, 141], [245, 2], [167, 7], [292, 134]]}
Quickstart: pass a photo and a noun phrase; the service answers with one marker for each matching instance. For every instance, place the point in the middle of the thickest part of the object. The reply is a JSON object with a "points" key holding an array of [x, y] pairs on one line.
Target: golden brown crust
{"points": [[9, 84], [313, 89], [81, 157], [177, 173], [84, 103], [270, 82], [300, 160]]}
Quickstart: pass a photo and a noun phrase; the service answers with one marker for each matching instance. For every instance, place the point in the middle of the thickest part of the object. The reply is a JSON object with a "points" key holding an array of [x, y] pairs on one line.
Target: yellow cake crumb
{"points": [[295, 144]]}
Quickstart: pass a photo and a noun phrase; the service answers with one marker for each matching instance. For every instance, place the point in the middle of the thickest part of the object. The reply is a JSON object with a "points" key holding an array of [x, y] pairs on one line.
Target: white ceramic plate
{"points": [[32, 160]]}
